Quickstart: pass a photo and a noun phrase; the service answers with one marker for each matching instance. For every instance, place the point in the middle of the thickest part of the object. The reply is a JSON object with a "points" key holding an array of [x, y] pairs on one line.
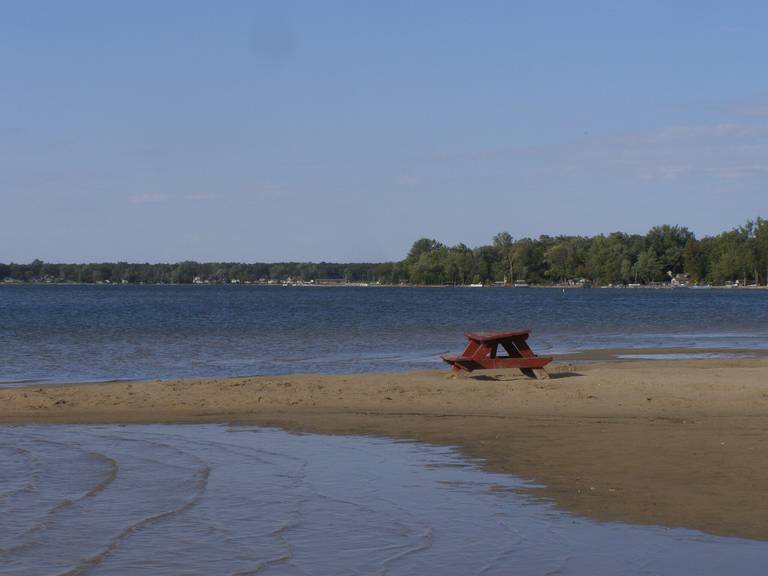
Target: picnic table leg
{"points": [[471, 351], [519, 349], [471, 348], [537, 373], [484, 350], [477, 351]]}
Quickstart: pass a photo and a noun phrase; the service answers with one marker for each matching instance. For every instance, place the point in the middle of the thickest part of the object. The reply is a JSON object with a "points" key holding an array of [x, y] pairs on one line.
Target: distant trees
{"points": [[739, 255], [617, 258]]}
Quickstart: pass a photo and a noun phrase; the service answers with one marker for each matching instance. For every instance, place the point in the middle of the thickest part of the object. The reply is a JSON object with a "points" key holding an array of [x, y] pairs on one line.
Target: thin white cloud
{"points": [[756, 110], [664, 171], [673, 134], [728, 151], [739, 170], [147, 198]]}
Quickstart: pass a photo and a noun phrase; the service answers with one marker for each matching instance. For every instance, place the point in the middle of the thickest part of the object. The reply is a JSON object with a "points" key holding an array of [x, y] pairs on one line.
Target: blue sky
{"points": [[343, 131]]}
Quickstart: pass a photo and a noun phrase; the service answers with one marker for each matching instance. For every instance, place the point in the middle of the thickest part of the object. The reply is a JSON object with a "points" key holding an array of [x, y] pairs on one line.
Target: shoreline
{"points": [[663, 286], [562, 361], [679, 443]]}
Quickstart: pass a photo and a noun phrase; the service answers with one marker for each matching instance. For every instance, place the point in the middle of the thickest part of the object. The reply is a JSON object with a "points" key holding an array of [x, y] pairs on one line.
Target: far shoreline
{"points": [[404, 286]]}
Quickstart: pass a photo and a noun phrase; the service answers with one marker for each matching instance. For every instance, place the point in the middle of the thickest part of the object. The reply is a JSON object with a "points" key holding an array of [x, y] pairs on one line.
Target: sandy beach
{"points": [[674, 443]]}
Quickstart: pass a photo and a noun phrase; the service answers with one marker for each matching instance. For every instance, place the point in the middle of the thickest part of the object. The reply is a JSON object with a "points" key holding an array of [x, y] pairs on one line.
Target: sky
{"points": [[343, 131]]}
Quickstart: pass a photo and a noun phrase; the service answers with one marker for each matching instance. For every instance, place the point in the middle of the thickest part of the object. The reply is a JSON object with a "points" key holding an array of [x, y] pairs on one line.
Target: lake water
{"points": [[85, 333], [207, 499]]}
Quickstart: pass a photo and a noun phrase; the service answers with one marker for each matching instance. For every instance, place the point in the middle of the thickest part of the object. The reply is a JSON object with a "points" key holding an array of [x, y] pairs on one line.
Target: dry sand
{"points": [[676, 443]]}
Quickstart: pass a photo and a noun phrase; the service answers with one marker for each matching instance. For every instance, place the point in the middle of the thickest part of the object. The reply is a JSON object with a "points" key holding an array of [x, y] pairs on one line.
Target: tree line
{"points": [[738, 255]]}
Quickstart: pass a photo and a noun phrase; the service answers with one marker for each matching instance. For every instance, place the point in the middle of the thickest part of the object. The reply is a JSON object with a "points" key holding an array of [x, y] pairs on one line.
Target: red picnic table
{"points": [[482, 348]]}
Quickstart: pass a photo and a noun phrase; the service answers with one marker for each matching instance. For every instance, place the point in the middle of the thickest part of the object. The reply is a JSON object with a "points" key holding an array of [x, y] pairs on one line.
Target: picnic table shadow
{"points": [[503, 377]]}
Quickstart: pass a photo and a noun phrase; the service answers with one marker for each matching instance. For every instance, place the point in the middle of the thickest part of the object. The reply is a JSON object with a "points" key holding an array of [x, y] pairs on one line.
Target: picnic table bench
{"points": [[482, 348]]}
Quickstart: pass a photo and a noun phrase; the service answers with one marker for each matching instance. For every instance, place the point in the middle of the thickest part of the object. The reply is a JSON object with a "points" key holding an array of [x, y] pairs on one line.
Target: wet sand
{"points": [[675, 443]]}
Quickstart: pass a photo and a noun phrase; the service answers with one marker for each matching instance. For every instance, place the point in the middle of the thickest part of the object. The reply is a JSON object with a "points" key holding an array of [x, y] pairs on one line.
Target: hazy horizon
{"points": [[343, 132]]}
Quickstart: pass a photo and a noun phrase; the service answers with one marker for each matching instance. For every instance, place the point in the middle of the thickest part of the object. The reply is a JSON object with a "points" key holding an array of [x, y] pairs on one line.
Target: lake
{"points": [[93, 333]]}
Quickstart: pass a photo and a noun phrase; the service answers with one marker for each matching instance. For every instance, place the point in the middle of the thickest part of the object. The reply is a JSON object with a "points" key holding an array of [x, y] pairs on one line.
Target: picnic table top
{"points": [[491, 336]]}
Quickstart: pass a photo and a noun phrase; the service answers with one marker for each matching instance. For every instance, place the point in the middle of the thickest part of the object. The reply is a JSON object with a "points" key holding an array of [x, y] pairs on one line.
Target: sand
{"points": [[673, 443]]}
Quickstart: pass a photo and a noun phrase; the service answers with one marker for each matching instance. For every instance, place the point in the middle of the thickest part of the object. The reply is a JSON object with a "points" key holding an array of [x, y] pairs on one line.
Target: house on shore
{"points": [[680, 280]]}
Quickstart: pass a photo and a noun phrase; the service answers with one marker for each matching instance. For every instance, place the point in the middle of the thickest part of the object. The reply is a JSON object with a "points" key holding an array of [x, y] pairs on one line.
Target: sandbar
{"points": [[674, 443]]}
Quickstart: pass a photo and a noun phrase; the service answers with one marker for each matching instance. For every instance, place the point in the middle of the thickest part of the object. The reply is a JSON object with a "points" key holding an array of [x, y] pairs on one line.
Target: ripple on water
{"points": [[165, 500]]}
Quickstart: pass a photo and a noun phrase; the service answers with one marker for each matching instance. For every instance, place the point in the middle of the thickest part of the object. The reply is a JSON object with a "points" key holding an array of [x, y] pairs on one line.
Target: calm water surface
{"points": [[81, 333], [171, 500]]}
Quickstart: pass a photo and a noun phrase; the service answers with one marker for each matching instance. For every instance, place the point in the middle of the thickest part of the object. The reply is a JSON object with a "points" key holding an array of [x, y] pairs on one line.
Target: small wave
{"points": [[685, 356], [111, 476], [97, 559], [264, 564], [30, 535], [426, 539], [23, 381], [34, 477]]}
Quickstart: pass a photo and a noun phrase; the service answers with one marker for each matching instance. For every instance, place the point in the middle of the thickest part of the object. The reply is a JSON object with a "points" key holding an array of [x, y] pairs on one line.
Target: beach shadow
{"points": [[557, 375], [506, 377]]}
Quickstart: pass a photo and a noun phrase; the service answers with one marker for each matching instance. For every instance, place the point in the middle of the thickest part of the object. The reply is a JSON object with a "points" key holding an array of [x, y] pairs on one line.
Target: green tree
{"points": [[668, 242], [648, 267]]}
